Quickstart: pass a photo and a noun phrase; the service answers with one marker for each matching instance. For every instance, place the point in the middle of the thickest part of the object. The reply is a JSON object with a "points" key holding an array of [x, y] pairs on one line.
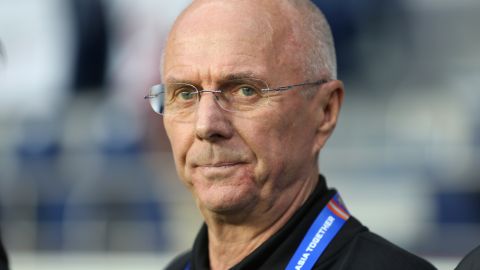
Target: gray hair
{"points": [[313, 28]]}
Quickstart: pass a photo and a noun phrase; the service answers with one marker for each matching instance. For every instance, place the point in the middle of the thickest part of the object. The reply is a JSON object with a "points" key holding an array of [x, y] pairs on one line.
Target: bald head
{"points": [[235, 144], [294, 30]]}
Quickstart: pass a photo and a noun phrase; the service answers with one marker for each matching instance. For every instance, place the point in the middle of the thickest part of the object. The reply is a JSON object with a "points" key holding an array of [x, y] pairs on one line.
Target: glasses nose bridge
{"points": [[215, 93], [212, 91]]}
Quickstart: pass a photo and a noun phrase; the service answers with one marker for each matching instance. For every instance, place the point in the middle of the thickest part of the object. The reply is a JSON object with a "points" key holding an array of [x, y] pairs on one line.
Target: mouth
{"points": [[220, 165], [220, 170]]}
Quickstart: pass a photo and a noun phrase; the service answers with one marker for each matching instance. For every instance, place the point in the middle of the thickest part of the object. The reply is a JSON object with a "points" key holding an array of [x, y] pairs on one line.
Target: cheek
{"points": [[180, 137], [270, 141], [281, 142]]}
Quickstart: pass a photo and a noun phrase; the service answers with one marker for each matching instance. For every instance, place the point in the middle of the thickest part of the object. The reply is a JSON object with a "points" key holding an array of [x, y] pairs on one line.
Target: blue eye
{"points": [[247, 91], [186, 95]]}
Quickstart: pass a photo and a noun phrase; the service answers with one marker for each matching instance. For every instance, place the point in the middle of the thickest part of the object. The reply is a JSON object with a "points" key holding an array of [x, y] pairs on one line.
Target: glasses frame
{"points": [[219, 91]]}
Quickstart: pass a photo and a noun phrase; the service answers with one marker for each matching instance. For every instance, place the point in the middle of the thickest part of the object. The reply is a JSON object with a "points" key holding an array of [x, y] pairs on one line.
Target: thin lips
{"points": [[221, 164]]}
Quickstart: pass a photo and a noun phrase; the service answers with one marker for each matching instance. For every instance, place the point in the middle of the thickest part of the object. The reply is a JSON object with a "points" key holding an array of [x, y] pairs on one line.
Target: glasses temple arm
{"points": [[151, 96], [288, 87]]}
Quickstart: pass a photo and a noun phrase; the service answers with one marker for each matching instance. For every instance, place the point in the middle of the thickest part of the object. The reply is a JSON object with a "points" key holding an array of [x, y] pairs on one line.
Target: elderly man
{"points": [[250, 97]]}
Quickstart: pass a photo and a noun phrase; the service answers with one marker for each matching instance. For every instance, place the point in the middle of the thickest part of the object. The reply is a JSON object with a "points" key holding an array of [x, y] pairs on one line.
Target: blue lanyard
{"points": [[327, 224]]}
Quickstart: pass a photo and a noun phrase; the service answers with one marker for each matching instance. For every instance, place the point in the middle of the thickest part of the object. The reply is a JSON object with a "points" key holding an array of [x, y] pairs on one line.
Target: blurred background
{"points": [[86, 175]]}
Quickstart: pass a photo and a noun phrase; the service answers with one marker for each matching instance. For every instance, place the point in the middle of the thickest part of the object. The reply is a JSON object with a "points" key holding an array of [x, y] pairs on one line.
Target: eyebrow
{"points": [[240, 75], [224, 78]]}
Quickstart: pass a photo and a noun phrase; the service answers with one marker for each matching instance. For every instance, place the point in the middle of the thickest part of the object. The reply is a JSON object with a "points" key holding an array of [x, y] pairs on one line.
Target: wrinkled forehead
{"points": [[235, 30]]}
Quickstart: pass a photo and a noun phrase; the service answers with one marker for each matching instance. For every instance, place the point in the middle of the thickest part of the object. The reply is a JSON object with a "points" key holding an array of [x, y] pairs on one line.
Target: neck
{"points": [[230, 242]]}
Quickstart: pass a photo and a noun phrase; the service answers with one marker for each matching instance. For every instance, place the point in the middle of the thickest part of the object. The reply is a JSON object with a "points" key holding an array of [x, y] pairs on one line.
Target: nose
{"points": [[211, 123]]}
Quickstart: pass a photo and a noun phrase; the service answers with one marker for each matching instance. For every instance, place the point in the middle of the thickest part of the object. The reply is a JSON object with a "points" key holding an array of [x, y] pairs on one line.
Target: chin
{"points": [[226, 199], [224, 189]]}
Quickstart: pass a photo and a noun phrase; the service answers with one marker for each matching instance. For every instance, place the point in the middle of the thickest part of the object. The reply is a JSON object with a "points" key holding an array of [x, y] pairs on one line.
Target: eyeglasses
{"points": [[237, 95]]}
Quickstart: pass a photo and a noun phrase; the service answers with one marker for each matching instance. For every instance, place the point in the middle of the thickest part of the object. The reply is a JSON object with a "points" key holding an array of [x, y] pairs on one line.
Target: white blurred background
{"points": [[86, 176]]}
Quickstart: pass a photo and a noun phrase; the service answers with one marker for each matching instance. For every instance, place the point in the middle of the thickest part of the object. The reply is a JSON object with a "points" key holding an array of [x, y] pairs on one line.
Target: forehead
{"points": [[219, 38], [242, 16]]}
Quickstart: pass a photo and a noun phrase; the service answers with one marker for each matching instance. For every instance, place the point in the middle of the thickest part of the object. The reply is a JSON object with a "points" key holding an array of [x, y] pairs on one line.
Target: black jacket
{"points": [[471, 261], [3, 258], [354, 247]]}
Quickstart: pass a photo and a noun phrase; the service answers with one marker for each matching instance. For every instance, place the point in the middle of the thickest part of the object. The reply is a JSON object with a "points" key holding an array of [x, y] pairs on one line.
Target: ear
{"points": [[328, 102]]}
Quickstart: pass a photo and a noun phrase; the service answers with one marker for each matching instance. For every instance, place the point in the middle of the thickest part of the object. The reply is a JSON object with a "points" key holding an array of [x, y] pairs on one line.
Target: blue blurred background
{"points": [[86, 175]]}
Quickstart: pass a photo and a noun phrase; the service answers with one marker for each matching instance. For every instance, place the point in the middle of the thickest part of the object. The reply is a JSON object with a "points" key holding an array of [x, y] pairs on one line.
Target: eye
{"points": [[182, 92], [243, 91], [247, 91], [186, 94]]}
